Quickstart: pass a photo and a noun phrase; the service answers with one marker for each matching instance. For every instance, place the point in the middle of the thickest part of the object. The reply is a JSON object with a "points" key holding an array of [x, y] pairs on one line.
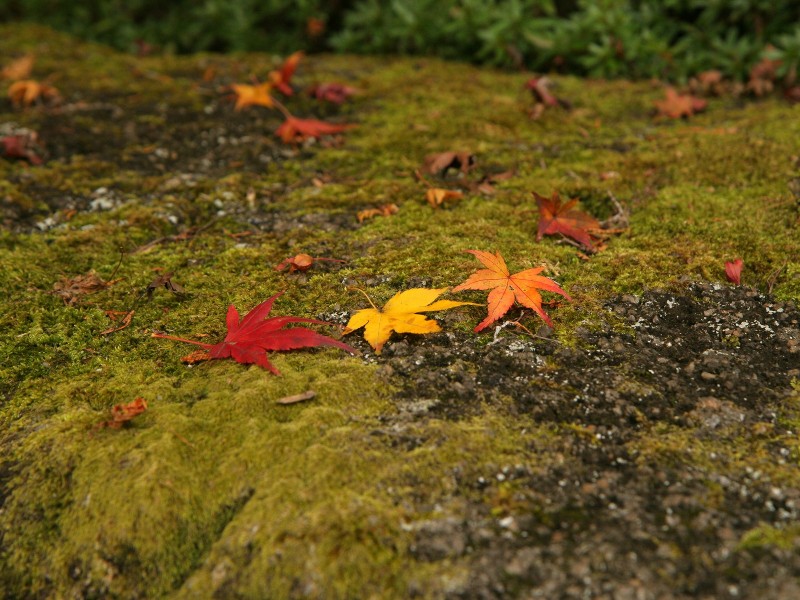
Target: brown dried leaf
{"points": [[384, 210], [122, 413], [126, 320], [438, 196], [166, 281], [439, 164], [70, 289], [294, 399]]}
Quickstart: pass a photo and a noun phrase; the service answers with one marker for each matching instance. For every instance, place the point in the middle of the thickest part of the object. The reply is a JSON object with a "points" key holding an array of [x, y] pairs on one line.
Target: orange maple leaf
{"points": [[122, 413], [555, 217], [252, 95], [384, 210], [506, 288], [282, 78], [294, 129], [437, 196], [676, 105], [26, 92]]}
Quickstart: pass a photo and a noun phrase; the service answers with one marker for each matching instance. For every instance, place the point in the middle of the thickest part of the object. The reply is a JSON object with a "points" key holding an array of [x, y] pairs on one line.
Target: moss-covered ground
{"points": [[453, 465]]}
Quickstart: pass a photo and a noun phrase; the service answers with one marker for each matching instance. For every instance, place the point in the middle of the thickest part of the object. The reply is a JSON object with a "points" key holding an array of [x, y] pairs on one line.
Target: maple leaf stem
{"points": [[372, 304], [282, 109], [164, 336]]}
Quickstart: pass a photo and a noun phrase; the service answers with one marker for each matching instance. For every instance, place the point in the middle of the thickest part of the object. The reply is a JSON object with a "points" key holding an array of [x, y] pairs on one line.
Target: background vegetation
{"points": [[670, 39]]}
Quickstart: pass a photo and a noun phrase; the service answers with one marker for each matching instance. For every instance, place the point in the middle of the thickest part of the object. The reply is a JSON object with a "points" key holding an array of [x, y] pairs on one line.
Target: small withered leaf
{"points": [[439, 164], [164, 280]]}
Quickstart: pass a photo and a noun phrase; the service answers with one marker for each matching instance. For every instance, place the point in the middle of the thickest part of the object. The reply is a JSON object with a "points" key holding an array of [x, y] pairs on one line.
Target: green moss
{"points": [[766, 536]]}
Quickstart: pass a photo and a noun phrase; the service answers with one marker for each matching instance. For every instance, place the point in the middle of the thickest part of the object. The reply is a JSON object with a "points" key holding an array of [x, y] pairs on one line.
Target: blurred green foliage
{"points": [[670, 39]]}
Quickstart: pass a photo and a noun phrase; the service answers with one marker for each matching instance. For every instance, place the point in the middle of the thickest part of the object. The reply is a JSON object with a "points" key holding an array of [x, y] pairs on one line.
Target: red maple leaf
{"points": [[21, 146], [282, 78], [733, 271], [332, 92], [555, 217], [251, 337], [294, 129]]}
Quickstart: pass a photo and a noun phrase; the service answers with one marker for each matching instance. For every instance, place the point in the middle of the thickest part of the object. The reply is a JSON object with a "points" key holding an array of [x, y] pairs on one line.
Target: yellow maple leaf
{"points": [[399, 314], [252, 95]]}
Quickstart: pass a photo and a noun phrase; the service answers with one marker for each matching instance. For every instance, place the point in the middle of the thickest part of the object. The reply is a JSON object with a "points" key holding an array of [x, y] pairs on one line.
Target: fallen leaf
{"points": [[165, 281], [522, 286], [19, 68], [315, 27], [126, 320], [294, 399], [540, 88], [21, 146], [384, 210], [676, 105], [294, 129], [708, 83], [302, 262], [122, 413], [437, 196], [251, 337], [555, 217], [252, 95], [69, 289], [762, 77], [24, 93], [440, 163], [733, 271], [196, 357], [399, 315], [333, 92], [282, 78]]}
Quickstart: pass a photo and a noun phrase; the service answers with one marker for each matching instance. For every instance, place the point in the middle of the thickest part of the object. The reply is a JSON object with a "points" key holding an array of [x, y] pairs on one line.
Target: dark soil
{"points": [[606, 523]]}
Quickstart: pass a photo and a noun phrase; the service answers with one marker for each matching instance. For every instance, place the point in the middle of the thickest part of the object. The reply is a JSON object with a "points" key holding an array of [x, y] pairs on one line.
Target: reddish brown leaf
{"points": [[762, 77], [675, 105], [733, 271], [251, 337], [437, 196], [439, 164], [708, 83], [540, 88], [555, 218], [196, 357], [70, 289], [522, 286], [122, 413], [21, 146], [315, 27], [333, 92], [164, 280], [126, 320], [294, 129], [302, 262], [282, 78], [384, 210]]}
